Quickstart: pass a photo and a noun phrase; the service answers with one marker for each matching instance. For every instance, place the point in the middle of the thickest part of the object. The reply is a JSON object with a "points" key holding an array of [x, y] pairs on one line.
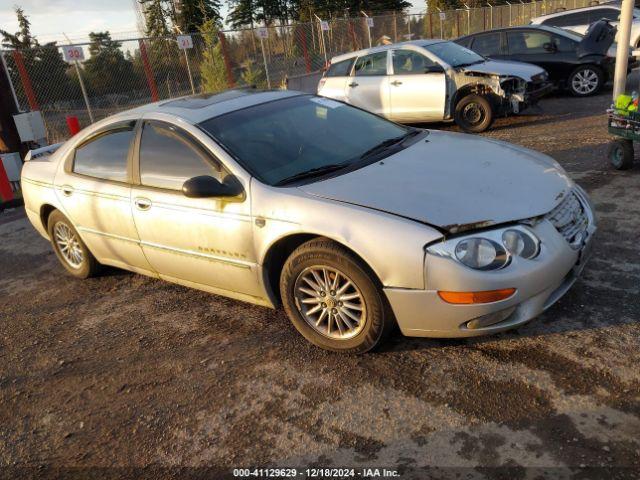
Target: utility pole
{"points": [[9, 138]]}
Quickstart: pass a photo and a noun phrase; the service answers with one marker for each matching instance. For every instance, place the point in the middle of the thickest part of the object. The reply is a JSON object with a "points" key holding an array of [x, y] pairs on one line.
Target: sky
{"points": [[50, 19]]}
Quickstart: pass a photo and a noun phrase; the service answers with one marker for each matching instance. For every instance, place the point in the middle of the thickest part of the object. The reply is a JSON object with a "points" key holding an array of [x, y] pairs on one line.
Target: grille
{"points": [[569, 218]]}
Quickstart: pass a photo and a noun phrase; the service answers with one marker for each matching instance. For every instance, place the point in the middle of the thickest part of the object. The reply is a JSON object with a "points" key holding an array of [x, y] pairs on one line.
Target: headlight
{"points": [[481, 254], [519, 243]]}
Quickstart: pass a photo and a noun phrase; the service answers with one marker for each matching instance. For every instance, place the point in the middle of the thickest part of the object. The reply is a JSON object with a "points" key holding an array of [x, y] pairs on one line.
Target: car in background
{"points": [[581, 64], [579, 19], [353, 223], [433, 81]]}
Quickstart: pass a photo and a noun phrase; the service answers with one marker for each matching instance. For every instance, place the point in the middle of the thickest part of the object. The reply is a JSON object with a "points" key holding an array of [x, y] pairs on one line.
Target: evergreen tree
{"points": [[192, 14], [212, 68], [158, 17], [253, 75]]}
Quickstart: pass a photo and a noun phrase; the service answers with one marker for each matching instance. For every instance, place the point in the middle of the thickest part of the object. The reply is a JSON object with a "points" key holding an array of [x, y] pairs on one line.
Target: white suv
{"points": [[579, 19]]}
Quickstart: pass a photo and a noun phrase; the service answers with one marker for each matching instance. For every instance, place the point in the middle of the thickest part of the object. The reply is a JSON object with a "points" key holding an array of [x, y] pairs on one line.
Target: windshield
{"points": [[454, 54], [279, 140]]}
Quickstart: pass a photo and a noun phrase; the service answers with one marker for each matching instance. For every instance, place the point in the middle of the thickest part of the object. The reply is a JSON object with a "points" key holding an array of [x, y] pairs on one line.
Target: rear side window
{"points": [[105, 156], [169, 157], [340, 69], [570, 19], [487, 45], [608, 13], [527, 42], [371, 65]]}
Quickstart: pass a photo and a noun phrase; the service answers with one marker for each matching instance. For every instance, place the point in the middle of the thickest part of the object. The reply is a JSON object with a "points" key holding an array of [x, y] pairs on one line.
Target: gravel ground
{"points": [[123, 371]]}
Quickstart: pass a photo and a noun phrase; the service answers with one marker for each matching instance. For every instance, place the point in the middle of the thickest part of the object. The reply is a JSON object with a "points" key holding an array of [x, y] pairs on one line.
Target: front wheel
{"points": [[585, 80], [332, 298], [71, 251], [474, 114]]}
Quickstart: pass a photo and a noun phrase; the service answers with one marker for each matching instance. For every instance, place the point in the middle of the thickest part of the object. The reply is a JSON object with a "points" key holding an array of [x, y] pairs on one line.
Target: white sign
{"points": [[324, 25], [370, 22], [443, 16], [263, 32], [184, 41], [72, 53]]}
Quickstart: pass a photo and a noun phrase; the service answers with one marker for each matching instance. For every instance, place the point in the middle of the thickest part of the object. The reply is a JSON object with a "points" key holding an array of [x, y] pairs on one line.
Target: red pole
{"points": [[457, 23], [430, 26], [151, 81], [227, 60], [305, 52], [26, 81], [6, 193], [73, 124]]}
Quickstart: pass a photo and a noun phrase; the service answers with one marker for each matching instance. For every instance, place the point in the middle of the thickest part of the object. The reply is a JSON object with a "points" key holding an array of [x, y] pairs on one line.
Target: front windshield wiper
{"points": [[382, 146], [471, 63], [313, 172]]}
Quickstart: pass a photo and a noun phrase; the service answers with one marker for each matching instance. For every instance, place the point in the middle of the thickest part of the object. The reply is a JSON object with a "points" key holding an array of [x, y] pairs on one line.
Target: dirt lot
{"points": [[127, 371]]}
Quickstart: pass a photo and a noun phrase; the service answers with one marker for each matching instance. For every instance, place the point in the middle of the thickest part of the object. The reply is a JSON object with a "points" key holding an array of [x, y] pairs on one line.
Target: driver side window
{"points": [[407, 62], [169, 157]]}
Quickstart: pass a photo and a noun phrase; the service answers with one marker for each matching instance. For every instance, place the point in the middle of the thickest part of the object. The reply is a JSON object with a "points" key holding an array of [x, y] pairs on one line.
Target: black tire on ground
{"points": [[474, 113], [621, 154], [59, 226], [376, 317], [585, 80]]}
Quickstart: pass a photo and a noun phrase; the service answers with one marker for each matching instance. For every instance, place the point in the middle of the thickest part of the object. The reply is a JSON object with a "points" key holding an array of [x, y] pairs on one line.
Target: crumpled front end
{"points": [[509, 93]]}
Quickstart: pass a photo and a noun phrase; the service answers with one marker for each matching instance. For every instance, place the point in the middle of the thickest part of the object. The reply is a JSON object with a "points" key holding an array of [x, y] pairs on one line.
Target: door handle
{"points": [[142, 203], [67, 190], [395, 83], [353, 85]]}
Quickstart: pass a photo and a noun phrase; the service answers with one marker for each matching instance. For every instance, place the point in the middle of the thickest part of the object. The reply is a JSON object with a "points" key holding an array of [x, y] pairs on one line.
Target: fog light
{"points": [[490, 319]]}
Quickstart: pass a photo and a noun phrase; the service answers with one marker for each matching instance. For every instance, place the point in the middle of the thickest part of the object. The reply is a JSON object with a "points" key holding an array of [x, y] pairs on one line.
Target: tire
{"points": [[585, 80], [325, 258], [77, 259], [474, 114], [621, 154]]}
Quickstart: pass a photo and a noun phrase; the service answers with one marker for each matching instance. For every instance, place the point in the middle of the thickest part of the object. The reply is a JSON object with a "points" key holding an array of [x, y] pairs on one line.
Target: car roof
{"points": [[547, 28], [576, 10], [200, 107], [383, 48]]}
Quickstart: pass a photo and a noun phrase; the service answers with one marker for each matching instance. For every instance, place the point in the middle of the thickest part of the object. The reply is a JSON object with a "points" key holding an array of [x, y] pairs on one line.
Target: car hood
{"points": [[597, 40], [455, 182], [526, 71]]}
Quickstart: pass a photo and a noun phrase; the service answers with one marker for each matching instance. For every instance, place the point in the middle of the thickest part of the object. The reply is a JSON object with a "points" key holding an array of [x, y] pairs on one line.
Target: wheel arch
{"points": [[45, 211], [472, 89], [278, 252]]}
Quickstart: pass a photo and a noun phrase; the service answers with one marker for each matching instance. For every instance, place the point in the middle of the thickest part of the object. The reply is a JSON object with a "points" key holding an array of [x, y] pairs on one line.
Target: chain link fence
{"points": [[114, 75]]}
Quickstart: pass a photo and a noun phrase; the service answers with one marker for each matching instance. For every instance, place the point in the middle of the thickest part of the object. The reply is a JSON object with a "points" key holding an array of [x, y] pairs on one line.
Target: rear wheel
{"points": [[474, 113], [332, 299], [586, 80], [621, 154], [71, 251]]}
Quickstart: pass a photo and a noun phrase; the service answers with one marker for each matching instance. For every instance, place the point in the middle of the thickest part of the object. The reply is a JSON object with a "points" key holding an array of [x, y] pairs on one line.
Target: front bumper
{"points": [[539, 283]]}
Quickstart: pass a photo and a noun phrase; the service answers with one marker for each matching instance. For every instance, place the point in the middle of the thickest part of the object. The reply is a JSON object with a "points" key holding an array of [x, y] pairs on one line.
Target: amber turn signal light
{"points": [[467, 298]]}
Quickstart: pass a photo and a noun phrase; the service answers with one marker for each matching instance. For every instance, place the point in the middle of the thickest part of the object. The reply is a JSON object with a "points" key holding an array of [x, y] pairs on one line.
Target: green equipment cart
{"points": [[626, 128]]}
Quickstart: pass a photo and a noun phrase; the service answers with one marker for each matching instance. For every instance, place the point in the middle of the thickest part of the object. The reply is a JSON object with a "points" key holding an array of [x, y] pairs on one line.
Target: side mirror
{"points": [[550, 47], [205, 186], [437, 68]]}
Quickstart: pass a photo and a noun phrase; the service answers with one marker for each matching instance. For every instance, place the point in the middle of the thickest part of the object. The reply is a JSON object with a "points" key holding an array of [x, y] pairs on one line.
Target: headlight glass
{"points": [[517, 242], [481, 254]]}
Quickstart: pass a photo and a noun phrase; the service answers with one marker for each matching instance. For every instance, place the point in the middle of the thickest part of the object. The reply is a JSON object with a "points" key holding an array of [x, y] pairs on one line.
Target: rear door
{"points": [[417, 87], [368, 86], [94, 189], [334, 82]]}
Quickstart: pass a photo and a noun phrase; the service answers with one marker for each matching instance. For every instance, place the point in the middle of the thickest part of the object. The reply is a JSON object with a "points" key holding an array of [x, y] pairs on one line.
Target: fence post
{"points": [[151, 81], [430, 25], [13, 90], [266, 66], [26, 81], [227, 59], [352, 32], [303, 40]]}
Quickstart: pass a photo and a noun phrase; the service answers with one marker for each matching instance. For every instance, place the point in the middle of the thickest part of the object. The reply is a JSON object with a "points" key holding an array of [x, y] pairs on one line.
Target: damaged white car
{"points": [[433, 81]]}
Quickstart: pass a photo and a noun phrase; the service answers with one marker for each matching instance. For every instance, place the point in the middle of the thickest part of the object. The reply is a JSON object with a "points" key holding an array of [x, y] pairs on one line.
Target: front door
{"points": [[203, 241], [94, 190], [368, 87], [417, 86]]}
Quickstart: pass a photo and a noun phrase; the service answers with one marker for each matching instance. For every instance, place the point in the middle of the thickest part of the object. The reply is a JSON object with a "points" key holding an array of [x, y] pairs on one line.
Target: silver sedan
{"points": [[351, 222]]}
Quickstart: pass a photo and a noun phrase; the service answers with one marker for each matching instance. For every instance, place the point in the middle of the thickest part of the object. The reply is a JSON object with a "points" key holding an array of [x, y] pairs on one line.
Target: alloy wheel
{"points": [[68, 244], [330, 302], [585, 81]]}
